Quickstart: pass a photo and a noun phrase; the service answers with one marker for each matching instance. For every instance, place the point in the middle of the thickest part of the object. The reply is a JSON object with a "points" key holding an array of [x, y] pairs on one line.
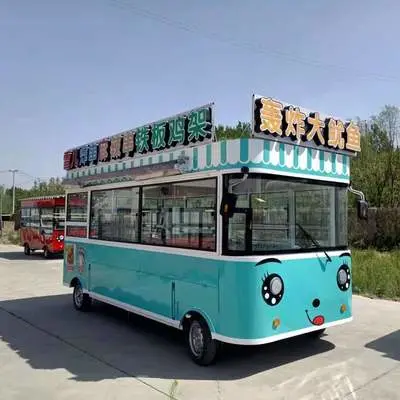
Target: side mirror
{"points": [[362, 209], [228, 204]]}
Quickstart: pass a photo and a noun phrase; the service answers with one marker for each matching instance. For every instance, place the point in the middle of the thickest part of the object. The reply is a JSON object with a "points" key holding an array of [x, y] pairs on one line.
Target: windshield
{"points": [[277, 215]]}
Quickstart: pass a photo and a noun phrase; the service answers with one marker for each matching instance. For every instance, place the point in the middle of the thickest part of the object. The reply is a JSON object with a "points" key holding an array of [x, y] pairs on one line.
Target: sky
{"points": [[75, 71]]}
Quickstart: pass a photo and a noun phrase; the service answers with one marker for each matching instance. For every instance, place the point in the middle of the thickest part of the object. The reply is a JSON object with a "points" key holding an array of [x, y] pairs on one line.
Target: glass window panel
{"points": [[25, 217], [114, 215], [285, 213], [59, 217], [180, 214], [46, 220], [34, 218], [237, 232], [77, 207]]}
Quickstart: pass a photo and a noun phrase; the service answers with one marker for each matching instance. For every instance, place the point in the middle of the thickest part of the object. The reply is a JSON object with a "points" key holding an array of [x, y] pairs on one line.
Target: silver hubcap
{"points": [[196, 338], [78, 295]]}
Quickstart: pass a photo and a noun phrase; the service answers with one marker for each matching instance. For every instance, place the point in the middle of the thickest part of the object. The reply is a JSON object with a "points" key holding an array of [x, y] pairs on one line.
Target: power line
{"points": [[34, 178], [253, 47], [22, 173], [20, 184]]}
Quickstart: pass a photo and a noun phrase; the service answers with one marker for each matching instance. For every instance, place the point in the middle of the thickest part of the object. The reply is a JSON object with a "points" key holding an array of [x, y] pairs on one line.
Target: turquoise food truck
{"points": [[239, 241]]}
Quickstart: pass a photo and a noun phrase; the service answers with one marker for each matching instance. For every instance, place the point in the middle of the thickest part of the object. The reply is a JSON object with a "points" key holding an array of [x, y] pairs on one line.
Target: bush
{"points": [[387, 228], [8, 235], [13, 238], [380, 231], [376, 273]]}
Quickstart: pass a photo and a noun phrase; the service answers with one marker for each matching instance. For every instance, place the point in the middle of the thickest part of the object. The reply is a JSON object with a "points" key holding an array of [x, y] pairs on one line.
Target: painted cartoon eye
{"points": [[272, 289], [343, 277], [276, 285]]}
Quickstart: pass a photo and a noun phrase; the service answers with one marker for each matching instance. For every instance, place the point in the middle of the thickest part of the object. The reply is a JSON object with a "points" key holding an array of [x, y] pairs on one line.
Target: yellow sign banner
{"points": [[289, 123]]}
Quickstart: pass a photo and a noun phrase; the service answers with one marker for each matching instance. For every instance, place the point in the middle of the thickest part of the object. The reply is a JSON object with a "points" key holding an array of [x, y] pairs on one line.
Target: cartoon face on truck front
{"points": [[324, 289]]}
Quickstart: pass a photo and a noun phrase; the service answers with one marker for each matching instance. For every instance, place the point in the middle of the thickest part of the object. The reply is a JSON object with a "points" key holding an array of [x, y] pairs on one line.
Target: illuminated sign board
{"points": [[287, 123], [192, 127]]}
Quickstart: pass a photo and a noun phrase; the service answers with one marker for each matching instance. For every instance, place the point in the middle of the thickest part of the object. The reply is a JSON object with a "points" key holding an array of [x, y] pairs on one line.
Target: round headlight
{"points": [[61, 237], [272, 289], [276, 285], [342, 277]]}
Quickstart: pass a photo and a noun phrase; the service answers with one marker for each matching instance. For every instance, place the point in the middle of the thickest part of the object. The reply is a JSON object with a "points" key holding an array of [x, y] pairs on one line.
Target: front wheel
{"points": [[46, 253], [81, 300], [202, 347], [27, 249], [316, 334]]}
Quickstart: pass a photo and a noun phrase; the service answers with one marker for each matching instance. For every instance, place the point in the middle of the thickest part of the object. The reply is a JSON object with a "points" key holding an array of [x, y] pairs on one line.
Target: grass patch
{"points": [[13, 238], [376, 273]]}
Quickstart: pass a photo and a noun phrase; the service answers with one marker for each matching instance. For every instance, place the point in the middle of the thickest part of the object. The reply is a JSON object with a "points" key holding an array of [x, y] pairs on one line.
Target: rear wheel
{"points": [[81, 300], [27, 250], [203, 349]]}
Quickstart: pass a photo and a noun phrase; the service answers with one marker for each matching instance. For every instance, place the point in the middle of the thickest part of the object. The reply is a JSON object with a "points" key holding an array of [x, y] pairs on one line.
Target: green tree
{"points": [[388, 120], [376, 170], [5, 200], [38, 189], [368, 170], [242, 129]]}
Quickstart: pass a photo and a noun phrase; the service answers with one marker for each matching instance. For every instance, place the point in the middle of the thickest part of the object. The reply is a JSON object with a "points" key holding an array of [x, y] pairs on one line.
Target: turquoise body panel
{"points": [[225, 290]]}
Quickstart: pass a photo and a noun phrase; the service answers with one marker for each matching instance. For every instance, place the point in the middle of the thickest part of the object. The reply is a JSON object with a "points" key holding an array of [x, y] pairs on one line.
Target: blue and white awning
{"points": [[258, 154]]}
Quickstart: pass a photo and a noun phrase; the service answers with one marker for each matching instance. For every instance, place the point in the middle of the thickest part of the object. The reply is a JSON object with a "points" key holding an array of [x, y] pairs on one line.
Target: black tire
{"points": [[27, 250], [46, 253], [82, 301], [316, 334], [203, 349]]}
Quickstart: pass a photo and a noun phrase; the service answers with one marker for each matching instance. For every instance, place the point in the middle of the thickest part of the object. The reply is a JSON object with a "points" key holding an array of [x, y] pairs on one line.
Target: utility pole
{"points": [[1, 209], [13, 171]]}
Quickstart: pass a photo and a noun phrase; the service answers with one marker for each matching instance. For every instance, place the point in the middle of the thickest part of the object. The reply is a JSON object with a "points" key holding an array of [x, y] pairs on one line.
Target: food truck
{"points": [[238, 241], [41, 224]]}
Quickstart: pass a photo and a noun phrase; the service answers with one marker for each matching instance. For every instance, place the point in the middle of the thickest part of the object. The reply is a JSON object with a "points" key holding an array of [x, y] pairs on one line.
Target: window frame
{"points": [[56, 222], [140, 213], [249, 252], [50, 227], [34, 219], [76, 224], [25, 219], [68, 221], [215, 179]]}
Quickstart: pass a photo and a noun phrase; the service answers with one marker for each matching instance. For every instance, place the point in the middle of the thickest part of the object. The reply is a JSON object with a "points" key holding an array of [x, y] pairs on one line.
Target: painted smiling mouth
{"points": [[317, 320]]}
